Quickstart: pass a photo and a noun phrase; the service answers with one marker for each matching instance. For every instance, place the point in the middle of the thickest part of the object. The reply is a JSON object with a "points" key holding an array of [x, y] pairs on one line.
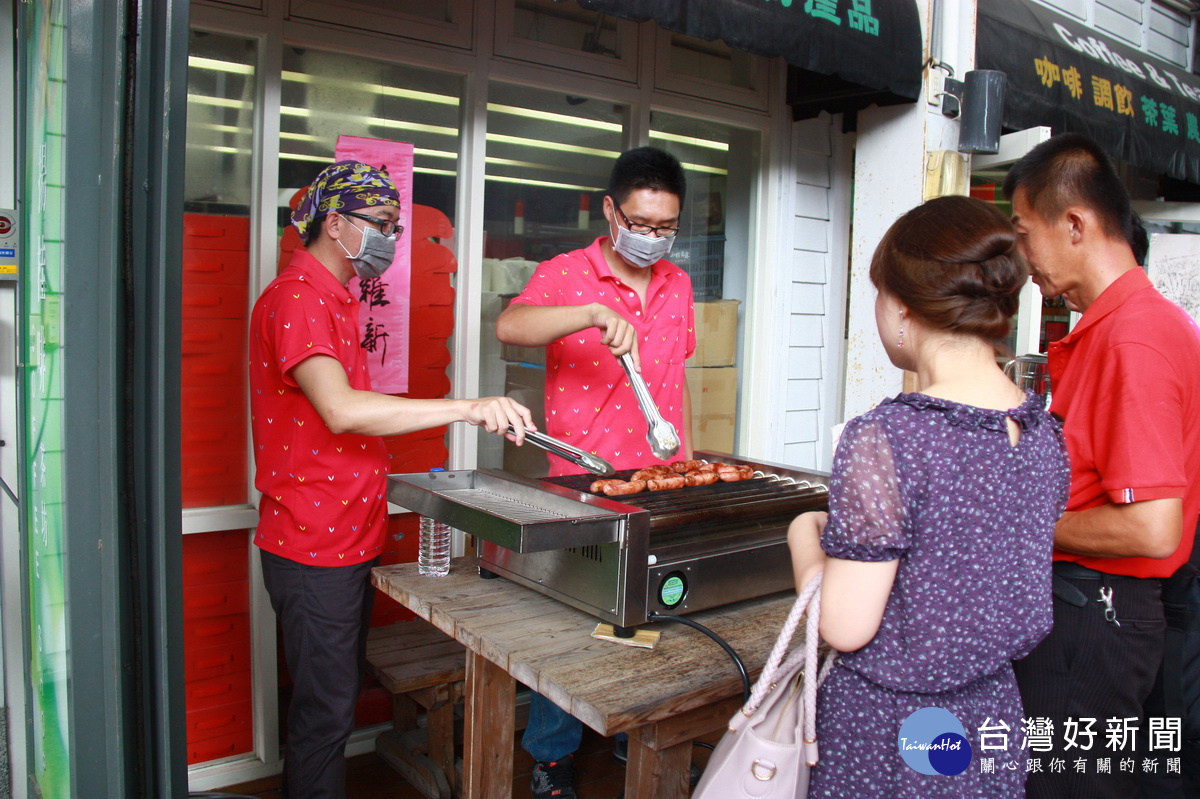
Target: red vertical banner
{"points": [[386, 300]]}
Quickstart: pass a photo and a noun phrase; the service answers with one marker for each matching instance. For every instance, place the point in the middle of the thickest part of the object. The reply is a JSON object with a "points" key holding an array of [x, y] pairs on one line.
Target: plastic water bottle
{"points": [[433, 557]]}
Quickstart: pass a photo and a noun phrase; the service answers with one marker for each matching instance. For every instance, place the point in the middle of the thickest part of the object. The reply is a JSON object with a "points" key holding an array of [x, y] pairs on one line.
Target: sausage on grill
{"points": [[730, 474], [676, 481], [623, 488], [733, 472], [683, 467], [597, 486], [700, 478], [654, 472]]}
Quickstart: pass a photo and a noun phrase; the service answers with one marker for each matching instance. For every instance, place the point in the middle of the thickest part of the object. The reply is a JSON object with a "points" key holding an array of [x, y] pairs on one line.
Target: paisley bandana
{"points": [[344, 186]]}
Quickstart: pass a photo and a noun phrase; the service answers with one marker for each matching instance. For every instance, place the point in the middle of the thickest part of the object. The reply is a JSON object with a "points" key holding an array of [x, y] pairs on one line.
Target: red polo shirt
{"points": [[323, 495], [1127, 384], [589, 402]]}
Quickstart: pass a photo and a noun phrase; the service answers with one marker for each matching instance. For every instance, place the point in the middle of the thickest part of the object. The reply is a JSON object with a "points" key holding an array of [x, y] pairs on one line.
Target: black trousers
{"points": [[324, 613], [1090, 668]]}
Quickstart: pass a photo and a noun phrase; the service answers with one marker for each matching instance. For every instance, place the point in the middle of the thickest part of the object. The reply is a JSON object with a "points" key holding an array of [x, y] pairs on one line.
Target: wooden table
{"points": [[665, 697]]}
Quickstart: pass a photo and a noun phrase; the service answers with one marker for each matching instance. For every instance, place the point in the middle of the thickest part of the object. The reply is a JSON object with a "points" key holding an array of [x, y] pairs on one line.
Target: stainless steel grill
{"points": [[674, 551]]}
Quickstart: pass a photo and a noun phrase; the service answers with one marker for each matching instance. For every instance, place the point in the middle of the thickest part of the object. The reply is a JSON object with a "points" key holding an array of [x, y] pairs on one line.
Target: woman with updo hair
{"points": [[936, 547]]}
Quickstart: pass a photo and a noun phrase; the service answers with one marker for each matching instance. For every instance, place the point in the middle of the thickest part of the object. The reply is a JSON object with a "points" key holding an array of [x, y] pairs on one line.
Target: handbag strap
{"points": [[780, 662], [809, 600]]}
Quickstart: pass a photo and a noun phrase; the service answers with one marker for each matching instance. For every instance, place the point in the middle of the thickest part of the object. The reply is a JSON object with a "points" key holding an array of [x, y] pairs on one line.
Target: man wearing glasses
{"points": [[617, 295], [320, 462]]}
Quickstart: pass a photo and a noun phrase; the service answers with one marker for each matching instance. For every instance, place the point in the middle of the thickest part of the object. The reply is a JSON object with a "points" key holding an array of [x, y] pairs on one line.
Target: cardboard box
{"points": [[716, 333], [714, 406]]}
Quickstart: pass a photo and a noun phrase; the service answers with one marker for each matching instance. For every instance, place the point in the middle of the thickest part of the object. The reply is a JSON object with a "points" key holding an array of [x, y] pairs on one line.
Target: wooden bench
{"points": [[423, 669]]}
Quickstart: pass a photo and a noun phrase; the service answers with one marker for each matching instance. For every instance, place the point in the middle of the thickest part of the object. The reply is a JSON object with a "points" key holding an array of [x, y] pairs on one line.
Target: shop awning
{"points": [[1064, 74], [846, 55]]}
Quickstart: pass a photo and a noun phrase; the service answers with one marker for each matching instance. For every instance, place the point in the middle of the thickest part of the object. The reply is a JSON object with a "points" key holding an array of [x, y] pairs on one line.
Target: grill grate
{"points": [[502, 506]]}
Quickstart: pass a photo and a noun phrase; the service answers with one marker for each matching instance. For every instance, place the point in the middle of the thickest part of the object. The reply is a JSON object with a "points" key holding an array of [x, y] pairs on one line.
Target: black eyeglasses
{"points": [[645, 230], [386, 226]]}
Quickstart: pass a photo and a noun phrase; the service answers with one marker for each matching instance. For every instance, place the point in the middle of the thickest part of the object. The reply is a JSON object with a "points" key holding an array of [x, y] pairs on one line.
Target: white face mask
{"points": [[375, 253], [641, 249]]}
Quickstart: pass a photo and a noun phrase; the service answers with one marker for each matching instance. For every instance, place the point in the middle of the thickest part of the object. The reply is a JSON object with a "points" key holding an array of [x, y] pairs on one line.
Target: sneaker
{"points": [[554, 780]]}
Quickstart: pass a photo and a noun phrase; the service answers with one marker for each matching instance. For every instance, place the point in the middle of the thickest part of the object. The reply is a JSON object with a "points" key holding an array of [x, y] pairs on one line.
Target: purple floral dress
{"points": [[939, 486]]}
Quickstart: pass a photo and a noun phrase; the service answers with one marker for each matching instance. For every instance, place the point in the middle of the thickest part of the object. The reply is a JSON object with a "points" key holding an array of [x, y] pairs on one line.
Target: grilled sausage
{"points": [[700, 478], [678, 481], [654, 472], [730, 474], [683, 467], [597, 486], [623, 488]]}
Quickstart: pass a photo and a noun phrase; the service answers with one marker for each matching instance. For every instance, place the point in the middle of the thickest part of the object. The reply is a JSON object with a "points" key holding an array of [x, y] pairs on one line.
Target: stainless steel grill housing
{"points": [[674, 551]]}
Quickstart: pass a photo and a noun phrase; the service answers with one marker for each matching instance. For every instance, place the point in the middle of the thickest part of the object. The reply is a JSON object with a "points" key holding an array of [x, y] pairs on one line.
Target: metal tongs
{"points": [[663, 438], [587, 460]]}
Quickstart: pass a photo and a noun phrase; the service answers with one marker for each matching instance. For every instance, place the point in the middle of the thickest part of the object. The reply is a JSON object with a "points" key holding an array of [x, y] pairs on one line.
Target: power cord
{"points": [[737, 661]]}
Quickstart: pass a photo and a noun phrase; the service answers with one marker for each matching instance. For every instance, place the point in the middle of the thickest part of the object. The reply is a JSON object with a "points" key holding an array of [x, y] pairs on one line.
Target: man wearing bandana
{"points": [[320, 462], [617, 295]]}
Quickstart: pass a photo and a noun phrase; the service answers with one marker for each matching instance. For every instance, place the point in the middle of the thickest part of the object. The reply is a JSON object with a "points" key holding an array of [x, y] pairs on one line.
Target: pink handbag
{"points": [[771, 743]]}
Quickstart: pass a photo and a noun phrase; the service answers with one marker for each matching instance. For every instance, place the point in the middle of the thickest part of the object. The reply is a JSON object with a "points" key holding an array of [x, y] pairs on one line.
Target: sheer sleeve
{"points": [[867, 515]]}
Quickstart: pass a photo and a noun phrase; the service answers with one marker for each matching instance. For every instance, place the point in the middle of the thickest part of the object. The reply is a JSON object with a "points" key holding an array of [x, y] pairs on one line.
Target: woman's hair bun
{"points": [[954, 262]]}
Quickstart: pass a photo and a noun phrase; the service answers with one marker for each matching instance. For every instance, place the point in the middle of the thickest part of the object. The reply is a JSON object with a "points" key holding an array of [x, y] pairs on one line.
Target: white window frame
{"points": [[391, 19], [623, 67], [757, 98]]}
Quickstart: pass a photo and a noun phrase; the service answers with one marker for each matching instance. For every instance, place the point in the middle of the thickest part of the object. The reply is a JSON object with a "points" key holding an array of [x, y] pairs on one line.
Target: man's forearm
{"points": [[1149, 529], [536, 325]]}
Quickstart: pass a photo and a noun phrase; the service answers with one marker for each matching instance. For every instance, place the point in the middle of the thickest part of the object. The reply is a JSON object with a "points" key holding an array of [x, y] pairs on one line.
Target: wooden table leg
{"points": [[440, 726], [488, 733], [662, 773]]}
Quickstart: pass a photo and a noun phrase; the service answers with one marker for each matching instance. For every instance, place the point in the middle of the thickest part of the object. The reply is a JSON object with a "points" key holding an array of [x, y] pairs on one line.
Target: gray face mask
{"points": [[375, 253], [640, 249]]}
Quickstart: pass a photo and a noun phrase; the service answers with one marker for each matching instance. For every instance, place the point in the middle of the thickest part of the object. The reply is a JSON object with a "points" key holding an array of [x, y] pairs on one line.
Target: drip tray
{"points": [[510, 511]]}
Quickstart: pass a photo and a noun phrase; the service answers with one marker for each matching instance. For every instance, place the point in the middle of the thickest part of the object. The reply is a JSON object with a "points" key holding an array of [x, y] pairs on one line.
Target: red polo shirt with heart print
{"points": [[323, 495], [589, 401]]}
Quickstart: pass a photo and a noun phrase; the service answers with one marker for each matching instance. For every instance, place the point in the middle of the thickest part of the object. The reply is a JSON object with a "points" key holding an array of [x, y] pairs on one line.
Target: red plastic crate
{"points": [[228, 657], [209, 480], [228, 689], [216, 232], [216, 372], [211, 722], [428, 222], [237, 743], [203, 406], [427, 383], [213, 422], [215, 301], [431, 290], [213, 441], [215, 632], [216, 557], [216, 599], [430, 355], [216, 266], [202, 336]]}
